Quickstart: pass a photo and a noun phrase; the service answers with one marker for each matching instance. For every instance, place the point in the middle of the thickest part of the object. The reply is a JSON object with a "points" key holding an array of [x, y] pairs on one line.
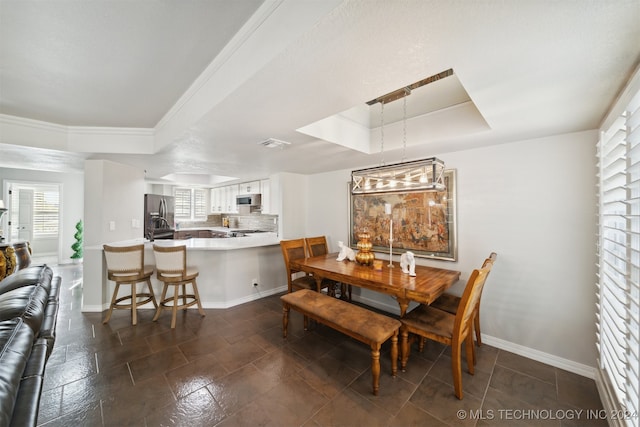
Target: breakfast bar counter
{"points": [[228, 269]]}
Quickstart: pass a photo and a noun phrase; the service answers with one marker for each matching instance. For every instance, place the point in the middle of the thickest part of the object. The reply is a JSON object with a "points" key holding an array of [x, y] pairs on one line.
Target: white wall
{"points": [[114, 196], [114, 193], [289, 199], [71, 202], [533, 202]]}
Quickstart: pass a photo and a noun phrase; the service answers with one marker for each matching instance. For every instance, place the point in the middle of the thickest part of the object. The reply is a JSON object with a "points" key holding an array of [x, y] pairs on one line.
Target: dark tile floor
{"points": [[233, 368]]}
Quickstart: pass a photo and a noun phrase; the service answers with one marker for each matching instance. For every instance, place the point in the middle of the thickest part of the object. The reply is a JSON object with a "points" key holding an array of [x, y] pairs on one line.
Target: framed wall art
{"points": [[424, 222]]}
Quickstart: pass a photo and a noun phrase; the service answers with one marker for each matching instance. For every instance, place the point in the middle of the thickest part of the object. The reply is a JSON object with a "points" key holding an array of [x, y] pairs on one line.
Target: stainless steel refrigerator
{"points": [[159, 216]]}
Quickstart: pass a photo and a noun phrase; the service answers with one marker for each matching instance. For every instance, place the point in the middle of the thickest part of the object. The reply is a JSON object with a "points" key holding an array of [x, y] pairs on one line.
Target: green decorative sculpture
{"points": [[77, 246]]}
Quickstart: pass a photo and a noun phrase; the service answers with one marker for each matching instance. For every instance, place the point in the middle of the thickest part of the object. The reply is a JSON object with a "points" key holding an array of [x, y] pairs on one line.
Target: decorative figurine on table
{"points": [[346, 253], [408, 263]]}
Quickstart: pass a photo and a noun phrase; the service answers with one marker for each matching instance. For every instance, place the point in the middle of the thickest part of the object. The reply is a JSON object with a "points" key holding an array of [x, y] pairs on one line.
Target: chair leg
{"points": [[471, 354], [184, 293], [164, 295], [285, 320], [134, 304], [153, 296], [456, 369], [113, 302], [195, 292], [174, 309]]}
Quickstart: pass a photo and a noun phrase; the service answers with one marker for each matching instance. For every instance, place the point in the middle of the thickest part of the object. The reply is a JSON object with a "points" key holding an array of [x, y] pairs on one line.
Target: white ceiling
{"points": [[189, 89]]}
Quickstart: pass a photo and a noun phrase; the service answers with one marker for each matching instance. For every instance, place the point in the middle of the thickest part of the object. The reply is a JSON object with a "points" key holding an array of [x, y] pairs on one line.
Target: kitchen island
{"points": [[228, 268]]}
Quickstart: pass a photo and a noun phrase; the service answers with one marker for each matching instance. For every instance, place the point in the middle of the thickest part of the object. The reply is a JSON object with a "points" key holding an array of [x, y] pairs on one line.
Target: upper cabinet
{"points": [[265, 189], [252, 187], [223, 199]]}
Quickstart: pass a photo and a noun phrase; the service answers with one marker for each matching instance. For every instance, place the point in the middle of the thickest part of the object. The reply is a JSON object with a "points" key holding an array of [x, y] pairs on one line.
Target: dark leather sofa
{"points": [[29, 299]]}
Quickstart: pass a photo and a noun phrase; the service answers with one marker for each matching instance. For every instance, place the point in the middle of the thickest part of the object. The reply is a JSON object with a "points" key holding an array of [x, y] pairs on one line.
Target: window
{"points": [[619, 259], [45, 213], [35, 210], [190, 203]]}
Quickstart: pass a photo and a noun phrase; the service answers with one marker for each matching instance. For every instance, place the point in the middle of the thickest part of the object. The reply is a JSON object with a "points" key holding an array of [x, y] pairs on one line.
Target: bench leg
{"points": [[404, 350], [285, 320], [394, 354], [375, 367]]}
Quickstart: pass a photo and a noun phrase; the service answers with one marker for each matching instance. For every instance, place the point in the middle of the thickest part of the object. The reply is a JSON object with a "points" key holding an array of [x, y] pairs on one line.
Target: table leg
{"points": [[318, 283], [404, 304]]}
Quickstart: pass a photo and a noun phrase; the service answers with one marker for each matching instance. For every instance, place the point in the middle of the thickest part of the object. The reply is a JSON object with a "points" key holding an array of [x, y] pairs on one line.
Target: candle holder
{"points": [[390, 254]]}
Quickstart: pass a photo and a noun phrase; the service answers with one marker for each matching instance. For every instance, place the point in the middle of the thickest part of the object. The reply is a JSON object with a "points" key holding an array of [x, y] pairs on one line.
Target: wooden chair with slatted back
{"points": [[125, 266], [317, 246], [173, 271], [292, 250], [450, 302], [446, 328]]}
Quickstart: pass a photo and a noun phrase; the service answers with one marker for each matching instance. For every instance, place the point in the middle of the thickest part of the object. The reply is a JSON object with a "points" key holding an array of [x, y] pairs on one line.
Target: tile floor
{"points": [[233, 368]]}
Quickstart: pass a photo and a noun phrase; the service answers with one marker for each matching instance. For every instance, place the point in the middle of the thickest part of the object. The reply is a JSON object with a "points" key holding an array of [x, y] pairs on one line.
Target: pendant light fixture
{"points": [[417, 175]]}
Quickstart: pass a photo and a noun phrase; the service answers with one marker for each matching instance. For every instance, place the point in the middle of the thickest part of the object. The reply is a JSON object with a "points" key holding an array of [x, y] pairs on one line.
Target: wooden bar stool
{"points": [[172, 270], [125, 266]]}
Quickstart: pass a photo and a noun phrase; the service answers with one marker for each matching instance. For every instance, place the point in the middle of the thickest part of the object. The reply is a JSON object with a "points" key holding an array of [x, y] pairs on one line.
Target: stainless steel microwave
{"points": [[249, 200]]}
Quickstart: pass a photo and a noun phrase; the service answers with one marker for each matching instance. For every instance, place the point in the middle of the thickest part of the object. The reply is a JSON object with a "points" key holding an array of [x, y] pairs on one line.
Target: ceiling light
{"points": [[419, 175], [274, 143]]}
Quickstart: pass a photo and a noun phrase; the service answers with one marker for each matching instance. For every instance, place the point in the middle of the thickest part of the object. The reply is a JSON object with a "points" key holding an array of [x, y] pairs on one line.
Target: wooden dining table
{"points": [[427, 285]]}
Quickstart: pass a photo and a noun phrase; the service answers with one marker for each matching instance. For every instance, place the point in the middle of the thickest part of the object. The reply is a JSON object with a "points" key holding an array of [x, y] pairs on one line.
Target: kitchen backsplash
{"points": [[252, 222]]}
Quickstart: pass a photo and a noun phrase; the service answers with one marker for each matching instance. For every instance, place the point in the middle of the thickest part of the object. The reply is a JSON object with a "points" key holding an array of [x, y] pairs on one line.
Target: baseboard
{"points": [[608, 399], [540, 356], [530, 353], [255, 296], [205, 304]]}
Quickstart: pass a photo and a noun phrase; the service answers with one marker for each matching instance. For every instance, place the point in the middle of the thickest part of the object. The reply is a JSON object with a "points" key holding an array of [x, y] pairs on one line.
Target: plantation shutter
{"points": [[200, 202], [619, 258], [183, 202]]}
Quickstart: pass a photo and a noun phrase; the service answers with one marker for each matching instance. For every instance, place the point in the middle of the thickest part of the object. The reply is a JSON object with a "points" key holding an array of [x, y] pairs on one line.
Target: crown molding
{"points": [[82, 139]]}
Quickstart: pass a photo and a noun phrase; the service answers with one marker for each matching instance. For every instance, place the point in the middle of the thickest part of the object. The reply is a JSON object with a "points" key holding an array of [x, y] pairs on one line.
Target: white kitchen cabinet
{"points": [[231, 199], [252, 187], [265, 189], [216, 200], [223, 199]]}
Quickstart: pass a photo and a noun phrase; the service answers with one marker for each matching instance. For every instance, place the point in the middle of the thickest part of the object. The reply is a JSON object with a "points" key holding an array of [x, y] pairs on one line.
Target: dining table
{"points": [[427, 284]]}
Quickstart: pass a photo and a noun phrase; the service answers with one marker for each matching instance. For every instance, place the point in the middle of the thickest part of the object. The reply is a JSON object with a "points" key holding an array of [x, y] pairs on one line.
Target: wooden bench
{"points": [[357, 322]]}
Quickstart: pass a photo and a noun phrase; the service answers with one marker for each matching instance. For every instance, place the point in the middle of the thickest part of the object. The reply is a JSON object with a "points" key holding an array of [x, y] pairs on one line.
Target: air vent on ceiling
{"points": [[274, 143]]}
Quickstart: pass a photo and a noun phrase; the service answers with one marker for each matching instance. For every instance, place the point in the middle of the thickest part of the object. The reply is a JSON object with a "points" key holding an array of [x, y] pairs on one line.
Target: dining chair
{"points": [[125, 266], [172, 270], [446, 328], [317, 246], [292, 250], [449, 302]]}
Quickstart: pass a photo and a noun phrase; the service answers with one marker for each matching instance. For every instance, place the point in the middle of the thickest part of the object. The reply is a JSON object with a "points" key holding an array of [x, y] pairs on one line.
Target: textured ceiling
{"points": [[203, 82]]}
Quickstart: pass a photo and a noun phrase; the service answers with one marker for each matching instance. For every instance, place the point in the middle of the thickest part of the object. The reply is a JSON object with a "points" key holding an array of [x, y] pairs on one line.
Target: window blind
{"points": [[200, 203], [45, 213], [618, 291], [191, 203], [182, 202]]}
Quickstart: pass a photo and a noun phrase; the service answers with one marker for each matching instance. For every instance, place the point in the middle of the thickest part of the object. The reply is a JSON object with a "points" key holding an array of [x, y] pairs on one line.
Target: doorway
{"points": [[34, 215]]}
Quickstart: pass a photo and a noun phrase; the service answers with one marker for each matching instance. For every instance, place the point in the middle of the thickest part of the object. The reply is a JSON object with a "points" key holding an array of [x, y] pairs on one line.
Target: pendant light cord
{"points": [[381, 133], [404, 129]]}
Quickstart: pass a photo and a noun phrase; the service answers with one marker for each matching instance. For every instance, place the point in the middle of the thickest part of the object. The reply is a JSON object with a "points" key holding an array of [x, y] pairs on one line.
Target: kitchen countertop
{"points": [[252, 240]]}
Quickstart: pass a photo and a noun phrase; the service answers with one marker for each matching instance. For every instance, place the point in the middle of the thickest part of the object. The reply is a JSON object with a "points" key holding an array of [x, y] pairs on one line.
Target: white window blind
{"points": [[200, 203], [191, 203], [45, 213], [182, 202], [619, 258]]}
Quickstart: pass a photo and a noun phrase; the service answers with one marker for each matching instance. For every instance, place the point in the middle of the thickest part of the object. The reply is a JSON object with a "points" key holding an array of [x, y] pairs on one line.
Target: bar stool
{"points": [[172, 270], [125, 266]]}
